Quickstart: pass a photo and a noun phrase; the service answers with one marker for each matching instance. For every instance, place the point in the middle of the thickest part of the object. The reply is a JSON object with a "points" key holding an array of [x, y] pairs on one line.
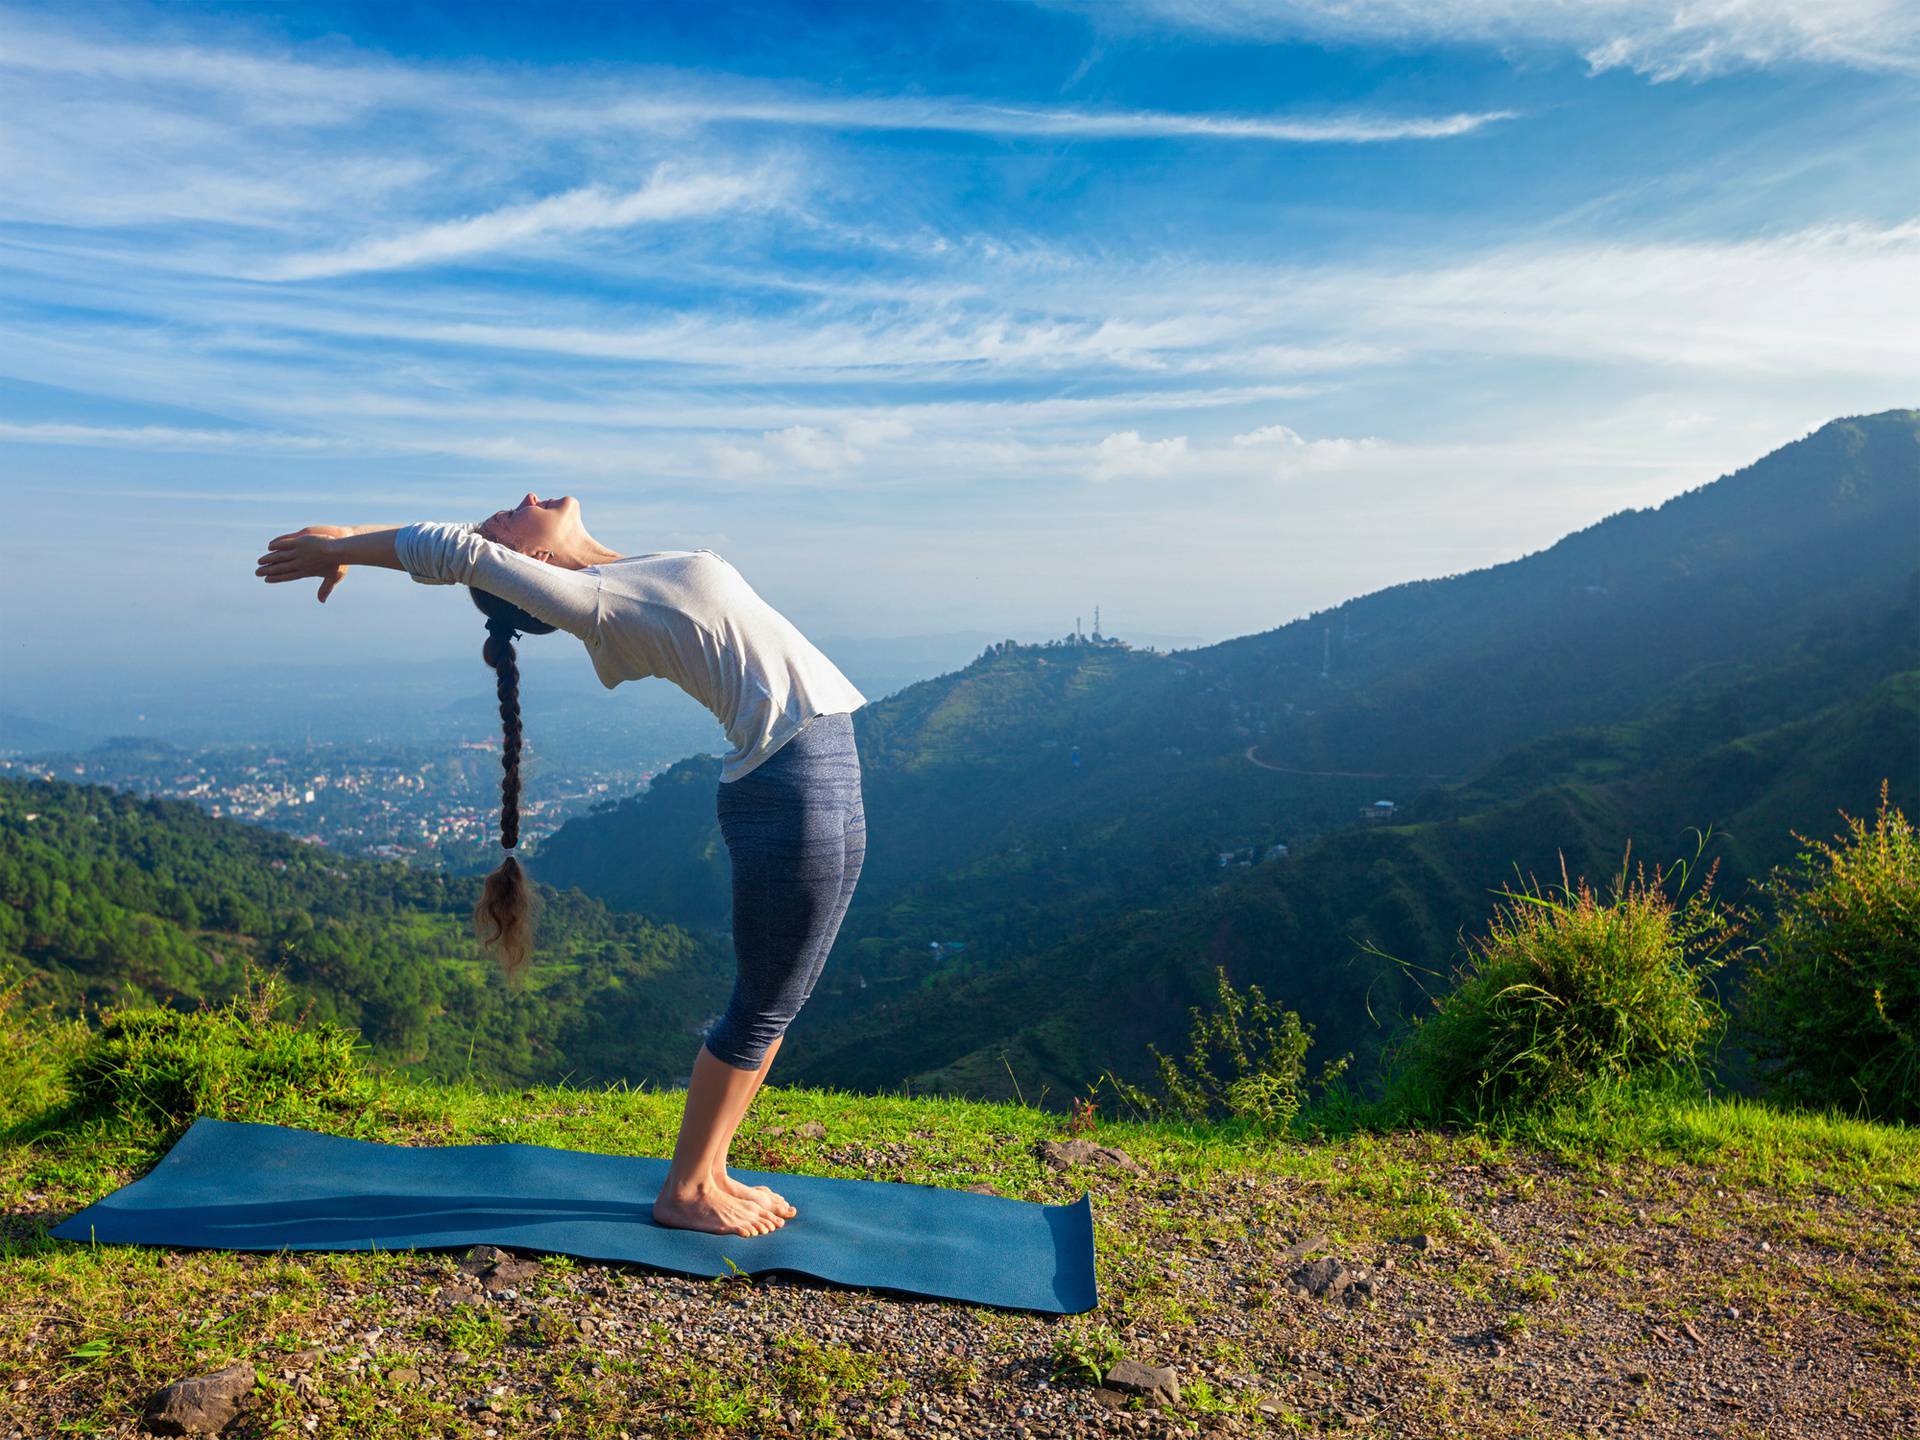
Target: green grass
{"points": [[103, 1326]]}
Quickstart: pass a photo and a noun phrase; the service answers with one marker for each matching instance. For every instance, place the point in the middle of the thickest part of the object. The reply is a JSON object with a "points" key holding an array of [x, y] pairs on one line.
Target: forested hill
{"points": [[1046, 795], [1600, 624], [109, 898]]}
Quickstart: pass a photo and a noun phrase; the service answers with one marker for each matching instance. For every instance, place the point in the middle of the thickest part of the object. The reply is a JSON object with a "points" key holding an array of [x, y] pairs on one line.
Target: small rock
{"points": [[1328, 1277], [202, 1405], [812, 1130], [1300, 1249], [982, 1189], [481, 1257], [1160, 1382], [498, 1270], [404, 1375], [1065, 1154]]}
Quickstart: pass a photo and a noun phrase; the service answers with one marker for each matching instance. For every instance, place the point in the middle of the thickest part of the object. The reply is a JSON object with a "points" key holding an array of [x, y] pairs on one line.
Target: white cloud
{"points": [[665, 197], [968, 117], [172, 438], [815, 449], [284, 90], [1662, 39], [1284, 452], [1125, 456]]}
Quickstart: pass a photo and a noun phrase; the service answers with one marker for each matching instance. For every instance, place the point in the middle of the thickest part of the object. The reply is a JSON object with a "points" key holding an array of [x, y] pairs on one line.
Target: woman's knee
{"points": [[743, 1043]]}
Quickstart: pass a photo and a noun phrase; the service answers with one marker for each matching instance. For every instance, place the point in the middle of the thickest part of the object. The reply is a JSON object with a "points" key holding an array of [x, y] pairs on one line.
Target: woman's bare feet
{"points": [[761, 1194], [708, 1207]]}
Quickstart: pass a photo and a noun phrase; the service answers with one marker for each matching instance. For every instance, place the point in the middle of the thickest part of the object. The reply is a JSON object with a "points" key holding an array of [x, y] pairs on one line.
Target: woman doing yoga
{"points": [[789, 803]]}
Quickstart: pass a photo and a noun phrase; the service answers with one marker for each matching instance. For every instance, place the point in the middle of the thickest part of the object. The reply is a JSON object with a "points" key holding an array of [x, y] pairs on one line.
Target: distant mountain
{"points": [[1045, 794], [24, 735]]}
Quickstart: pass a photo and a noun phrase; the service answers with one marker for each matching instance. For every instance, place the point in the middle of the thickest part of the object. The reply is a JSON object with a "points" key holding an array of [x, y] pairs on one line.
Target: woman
{"points": [[789, 803]]}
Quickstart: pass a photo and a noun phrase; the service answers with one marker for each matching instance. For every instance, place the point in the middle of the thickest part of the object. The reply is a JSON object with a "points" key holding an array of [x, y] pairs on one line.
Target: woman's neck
{"points": [[587, 552]]}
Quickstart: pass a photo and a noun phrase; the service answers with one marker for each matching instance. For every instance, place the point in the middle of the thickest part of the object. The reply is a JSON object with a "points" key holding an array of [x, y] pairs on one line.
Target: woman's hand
{"points": [[306, 555]]}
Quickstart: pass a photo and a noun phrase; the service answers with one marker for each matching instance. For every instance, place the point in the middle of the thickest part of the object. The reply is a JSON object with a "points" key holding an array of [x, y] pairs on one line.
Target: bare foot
{"points": [[706, 1207], [760, 1194]]}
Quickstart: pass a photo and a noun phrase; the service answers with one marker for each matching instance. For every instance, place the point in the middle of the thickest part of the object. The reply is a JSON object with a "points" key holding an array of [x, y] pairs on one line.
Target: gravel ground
{"points": [[1541, 1301]]}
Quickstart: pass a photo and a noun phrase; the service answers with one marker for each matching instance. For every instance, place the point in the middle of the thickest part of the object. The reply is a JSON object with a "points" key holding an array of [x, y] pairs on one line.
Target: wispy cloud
{"points": [[174, 437], [1662, 39], [664, 198], [974, 118]]}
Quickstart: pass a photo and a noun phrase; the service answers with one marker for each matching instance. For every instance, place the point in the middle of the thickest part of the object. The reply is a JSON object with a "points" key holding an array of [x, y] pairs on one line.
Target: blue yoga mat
{"points": [[227, 1186]]}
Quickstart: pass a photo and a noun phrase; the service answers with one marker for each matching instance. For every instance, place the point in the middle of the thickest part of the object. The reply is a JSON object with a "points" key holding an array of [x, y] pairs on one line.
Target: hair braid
{"points": [[503, 917], [506, 677]]}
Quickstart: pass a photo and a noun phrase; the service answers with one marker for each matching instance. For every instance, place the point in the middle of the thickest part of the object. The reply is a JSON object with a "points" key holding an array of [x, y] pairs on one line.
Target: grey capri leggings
{"points": [[796, 829]]}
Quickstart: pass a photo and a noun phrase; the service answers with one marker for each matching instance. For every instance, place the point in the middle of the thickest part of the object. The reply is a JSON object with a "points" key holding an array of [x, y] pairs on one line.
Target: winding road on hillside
{"points": [[1346, 774]]}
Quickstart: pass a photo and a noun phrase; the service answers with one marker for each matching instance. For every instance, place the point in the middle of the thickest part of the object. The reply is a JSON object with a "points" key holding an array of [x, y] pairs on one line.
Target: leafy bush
{"points": [[1835, 983], [239, 1061], [1247, 1060], [1566, 991]]}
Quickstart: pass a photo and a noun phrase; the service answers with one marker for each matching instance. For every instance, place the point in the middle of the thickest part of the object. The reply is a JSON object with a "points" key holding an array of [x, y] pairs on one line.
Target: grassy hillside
{"points": [[109, 898], [1660, 1267]]}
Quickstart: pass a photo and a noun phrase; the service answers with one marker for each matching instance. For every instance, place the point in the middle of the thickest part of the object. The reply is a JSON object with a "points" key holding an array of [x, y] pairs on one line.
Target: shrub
{"points": [[1565, 991], [238, 1061], [1246, 1060], [1834, 998]]}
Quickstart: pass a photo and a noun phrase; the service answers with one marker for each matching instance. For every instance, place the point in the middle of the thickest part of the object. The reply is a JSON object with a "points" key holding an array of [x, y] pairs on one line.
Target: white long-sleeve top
{"points": [[685, 615]]}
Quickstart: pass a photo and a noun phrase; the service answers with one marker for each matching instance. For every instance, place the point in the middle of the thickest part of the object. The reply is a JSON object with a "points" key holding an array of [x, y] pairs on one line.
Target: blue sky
{"points": [[928, 317]]}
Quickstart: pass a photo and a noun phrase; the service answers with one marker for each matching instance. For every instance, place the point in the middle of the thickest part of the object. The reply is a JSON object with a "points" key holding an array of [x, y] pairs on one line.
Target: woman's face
{"points": [[535, 525]]}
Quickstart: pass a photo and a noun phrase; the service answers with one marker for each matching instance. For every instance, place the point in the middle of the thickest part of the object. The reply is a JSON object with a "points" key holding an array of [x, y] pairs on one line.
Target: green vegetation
{"points": [[1567, 991], [243, 1059], [1836, 981], [93, 1329], [1246, 1060], [117, 901], [1086, 1352]]}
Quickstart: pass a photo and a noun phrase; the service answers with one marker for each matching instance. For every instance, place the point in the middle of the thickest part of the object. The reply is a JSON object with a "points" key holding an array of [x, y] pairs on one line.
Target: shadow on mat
{"points": [[367, 1217]]}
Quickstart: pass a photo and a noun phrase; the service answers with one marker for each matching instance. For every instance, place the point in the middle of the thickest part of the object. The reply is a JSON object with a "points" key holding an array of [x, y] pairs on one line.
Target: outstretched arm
{"points": [[312, 553], [444, 554]]}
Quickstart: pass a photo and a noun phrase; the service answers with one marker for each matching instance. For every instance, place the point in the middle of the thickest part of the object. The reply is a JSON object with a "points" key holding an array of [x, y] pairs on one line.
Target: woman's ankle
{"points": [[688, 1187]]}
